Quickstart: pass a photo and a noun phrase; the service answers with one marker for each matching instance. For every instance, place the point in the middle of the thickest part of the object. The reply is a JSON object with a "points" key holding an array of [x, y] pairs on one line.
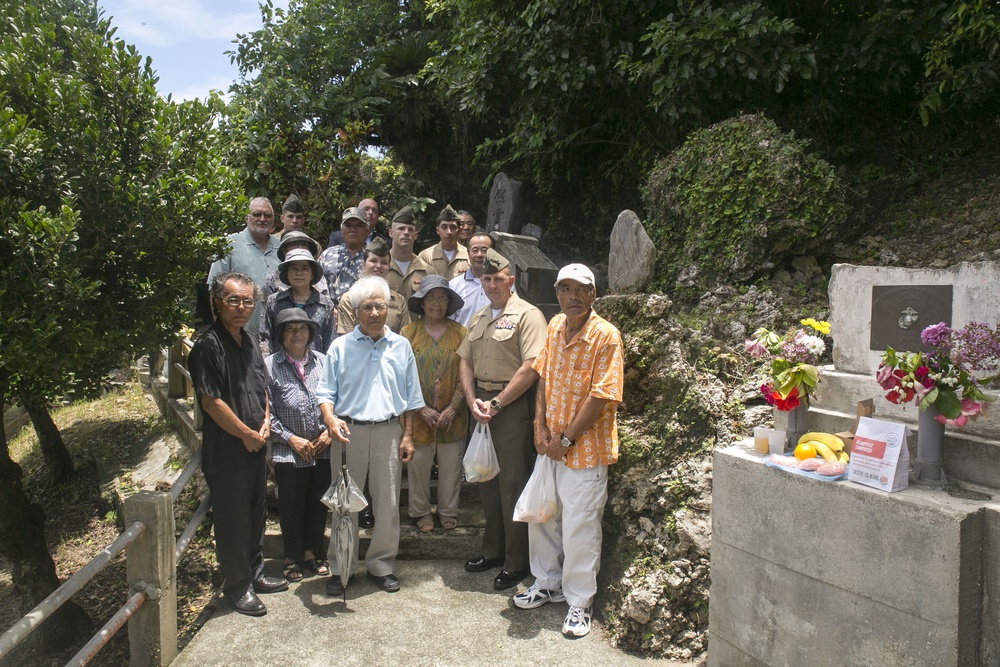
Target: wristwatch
{"points": [[566, 442], [495, 404]]}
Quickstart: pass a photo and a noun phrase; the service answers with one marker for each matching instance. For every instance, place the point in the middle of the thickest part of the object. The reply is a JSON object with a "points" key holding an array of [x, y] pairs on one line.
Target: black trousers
{"points": [[513, 439], [302, 514], [238, 506]]}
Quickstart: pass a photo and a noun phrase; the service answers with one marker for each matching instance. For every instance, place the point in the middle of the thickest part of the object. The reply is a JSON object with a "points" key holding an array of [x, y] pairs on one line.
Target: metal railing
{"points": [[151, 563]]}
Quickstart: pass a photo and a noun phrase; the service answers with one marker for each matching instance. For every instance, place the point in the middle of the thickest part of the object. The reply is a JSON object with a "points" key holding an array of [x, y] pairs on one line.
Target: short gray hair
{"points": [[258, 200], [366, 288], [219, 284]]}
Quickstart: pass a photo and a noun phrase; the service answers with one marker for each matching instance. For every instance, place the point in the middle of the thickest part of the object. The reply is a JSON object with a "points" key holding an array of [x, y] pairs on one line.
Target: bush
{"points": [[735, 200]]}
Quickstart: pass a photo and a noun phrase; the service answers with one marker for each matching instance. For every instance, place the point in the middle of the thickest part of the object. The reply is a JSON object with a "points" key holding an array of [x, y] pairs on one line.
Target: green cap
{"points": [[448, 213], [495, 262], [404, 216], [293, 205], [378, 247]]}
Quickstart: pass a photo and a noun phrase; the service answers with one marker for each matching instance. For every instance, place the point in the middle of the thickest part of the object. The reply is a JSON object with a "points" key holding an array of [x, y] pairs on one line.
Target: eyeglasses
{"points": [[436, 299], [372, 307], [236, 302], [262, 214]]}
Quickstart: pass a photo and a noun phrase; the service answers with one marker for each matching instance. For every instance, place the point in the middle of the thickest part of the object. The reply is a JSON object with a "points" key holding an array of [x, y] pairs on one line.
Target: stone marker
{"points": [[505, 204], [534, 231], [633, 255]]}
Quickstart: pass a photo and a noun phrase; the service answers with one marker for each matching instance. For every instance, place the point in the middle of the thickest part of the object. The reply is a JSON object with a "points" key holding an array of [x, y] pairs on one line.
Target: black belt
{"points": [[365, 422], [490, 386]]}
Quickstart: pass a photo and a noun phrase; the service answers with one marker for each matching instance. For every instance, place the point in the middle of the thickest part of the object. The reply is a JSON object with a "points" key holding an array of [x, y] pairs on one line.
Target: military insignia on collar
{"points": [[504, 323]]}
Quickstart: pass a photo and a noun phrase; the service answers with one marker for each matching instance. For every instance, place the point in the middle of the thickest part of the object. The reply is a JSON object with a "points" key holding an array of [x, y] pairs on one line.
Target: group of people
{"points": [[372, 353]]}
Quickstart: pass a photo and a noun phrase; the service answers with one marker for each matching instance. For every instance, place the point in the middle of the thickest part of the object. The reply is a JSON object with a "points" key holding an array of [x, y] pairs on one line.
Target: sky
{"points": [[187, 39]]}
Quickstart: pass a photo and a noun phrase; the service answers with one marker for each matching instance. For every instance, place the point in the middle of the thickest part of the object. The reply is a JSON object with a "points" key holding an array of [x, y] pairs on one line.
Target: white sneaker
{"points": [[577, 623], [536, 596]]}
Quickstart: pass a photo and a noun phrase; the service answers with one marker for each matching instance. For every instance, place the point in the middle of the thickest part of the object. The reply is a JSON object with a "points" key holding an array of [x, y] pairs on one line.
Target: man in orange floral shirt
{"points": [[581, 371]]}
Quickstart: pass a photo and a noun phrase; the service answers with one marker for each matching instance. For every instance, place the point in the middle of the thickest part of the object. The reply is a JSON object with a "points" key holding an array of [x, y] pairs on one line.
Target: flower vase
{"points": [[928, 469], [795, 422]]}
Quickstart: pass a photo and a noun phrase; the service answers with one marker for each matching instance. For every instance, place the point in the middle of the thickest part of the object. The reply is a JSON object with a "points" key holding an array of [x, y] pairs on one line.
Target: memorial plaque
{"points": [[901, 312]]}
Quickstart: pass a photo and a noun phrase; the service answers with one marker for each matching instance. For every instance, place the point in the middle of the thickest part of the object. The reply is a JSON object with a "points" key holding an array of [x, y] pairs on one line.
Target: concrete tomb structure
{"points": [[806, 572]]}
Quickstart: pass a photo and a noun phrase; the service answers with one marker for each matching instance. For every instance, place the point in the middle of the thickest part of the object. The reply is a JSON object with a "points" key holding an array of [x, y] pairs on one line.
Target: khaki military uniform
{"points": [[409, 283], [497, 346], [399, 315], [436, 258]]}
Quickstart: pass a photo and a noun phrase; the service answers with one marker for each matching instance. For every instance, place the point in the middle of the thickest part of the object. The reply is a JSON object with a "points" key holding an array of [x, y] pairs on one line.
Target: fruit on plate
{"points": [[832, 441], [804, 450], [843, 457], [831, 469]]}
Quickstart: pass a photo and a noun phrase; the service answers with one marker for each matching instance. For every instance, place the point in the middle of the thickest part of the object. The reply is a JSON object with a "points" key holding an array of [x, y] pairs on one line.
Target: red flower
{"points": [[790, 402]]}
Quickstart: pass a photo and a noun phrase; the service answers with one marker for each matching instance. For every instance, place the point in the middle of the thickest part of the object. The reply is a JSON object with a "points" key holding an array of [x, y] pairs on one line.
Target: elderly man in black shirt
{"points": [[230, 381]]}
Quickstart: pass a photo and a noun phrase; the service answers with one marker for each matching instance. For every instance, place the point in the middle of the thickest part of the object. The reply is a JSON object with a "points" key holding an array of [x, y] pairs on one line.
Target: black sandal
{"points": [[317, 566], [293, 572]]}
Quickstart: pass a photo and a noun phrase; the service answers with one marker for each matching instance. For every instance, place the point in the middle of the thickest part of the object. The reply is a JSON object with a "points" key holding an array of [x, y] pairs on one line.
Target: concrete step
{"points": [[462, 542]]}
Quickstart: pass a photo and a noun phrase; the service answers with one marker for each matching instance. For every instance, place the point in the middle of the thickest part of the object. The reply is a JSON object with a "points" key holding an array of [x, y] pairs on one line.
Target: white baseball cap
{"points": [[577, 272]]}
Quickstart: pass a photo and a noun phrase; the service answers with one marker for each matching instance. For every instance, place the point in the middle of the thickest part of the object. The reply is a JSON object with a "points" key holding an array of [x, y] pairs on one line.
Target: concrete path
{"points": [[441, 616]]}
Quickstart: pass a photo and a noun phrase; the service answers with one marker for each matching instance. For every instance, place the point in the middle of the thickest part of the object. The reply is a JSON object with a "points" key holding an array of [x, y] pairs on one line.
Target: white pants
{"points": [[449, 460], [566, 551], [373, 454]]}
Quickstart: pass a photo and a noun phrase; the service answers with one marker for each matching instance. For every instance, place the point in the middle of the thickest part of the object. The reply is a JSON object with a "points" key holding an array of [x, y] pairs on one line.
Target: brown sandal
{"points": [[448, 522], [425, 523]]}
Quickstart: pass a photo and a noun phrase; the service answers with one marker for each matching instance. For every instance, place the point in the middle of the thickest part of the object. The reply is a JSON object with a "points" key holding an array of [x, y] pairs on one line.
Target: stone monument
{"points": [[505, 204], [633, 255]]}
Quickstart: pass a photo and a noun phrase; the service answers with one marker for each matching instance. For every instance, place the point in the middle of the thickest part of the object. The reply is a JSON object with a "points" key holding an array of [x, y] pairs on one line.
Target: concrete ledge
{"points": [[806, 572]]}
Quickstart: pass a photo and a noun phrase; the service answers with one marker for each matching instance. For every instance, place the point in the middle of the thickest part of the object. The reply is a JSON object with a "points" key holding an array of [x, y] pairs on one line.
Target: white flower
{"points": [[814, 344]]}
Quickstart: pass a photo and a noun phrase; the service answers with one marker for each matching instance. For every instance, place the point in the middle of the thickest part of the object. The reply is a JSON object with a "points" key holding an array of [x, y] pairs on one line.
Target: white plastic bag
{"points": [[480, 460], [537, 503]]}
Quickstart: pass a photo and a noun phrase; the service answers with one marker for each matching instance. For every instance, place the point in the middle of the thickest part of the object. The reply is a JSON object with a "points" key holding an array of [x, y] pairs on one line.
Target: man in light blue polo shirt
{"points": [[254, 253], [369, 395]]}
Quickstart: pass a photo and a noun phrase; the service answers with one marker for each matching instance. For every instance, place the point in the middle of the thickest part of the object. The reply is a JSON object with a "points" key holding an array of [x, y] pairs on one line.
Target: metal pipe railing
{"points": [[192, 526], [104, 635], [30, 621], [189, 470]]}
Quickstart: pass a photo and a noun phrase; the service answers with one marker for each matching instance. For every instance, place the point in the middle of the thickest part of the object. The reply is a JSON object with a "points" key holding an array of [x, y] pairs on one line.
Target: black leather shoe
{"points": [[334, 587], [389, 583], [366, 519], [250, 605], [507, 579], [482, 564], [270, 584]]}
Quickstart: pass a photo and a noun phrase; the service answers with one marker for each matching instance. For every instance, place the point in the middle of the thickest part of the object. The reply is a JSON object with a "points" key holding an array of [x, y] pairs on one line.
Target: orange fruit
{"points": [[804, 451]]}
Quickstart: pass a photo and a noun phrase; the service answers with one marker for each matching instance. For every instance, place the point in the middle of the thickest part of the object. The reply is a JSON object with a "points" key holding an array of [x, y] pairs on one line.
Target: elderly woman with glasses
{"points": [[301, 273], [443, 423], [300, 444]]}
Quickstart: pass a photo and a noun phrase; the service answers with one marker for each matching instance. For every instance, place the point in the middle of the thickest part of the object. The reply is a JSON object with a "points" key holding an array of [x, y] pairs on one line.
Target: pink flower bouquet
{"points": [[951, 377]]}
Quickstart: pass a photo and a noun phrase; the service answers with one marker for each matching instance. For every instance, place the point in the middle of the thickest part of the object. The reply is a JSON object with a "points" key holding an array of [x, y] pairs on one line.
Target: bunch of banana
{"points": [[827, 445]]}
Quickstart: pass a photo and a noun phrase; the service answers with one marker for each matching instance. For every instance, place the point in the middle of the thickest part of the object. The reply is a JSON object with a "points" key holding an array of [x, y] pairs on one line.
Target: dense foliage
{"points": [[577, 99], [744, 194], [112, 200]]}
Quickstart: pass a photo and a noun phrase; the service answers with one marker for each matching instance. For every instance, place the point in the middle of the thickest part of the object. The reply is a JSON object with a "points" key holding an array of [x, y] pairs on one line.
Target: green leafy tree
{"points": [[113, 202]]}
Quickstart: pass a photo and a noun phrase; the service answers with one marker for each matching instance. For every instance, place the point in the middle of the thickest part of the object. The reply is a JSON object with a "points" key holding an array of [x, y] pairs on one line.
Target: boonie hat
{"points": [[290, 237], [290, 315], [299, 255], [430, 281], [577, 272]]}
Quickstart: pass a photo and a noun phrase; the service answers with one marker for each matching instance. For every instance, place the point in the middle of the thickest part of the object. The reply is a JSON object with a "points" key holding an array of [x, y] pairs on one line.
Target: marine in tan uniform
{"points": [[448, 257], [495, 371], [376, 263], [406, 269]]}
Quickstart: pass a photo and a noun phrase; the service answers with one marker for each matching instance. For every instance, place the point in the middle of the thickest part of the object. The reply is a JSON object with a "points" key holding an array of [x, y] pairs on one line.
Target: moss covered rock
{"points": [[734, 201]]}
